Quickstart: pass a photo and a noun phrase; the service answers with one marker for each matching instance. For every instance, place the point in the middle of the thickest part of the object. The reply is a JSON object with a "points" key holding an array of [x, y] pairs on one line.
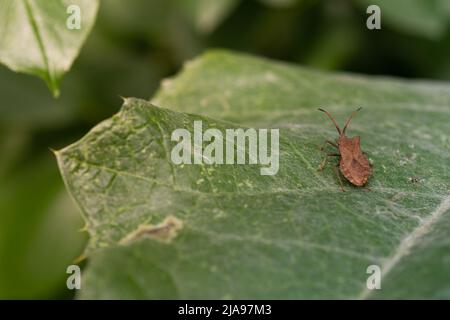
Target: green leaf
{"points": [[35, 39], [234, 233]]}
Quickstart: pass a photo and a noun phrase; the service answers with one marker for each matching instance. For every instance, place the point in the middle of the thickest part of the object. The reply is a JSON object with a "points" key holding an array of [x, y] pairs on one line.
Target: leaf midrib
{"points": [[48, 75]]}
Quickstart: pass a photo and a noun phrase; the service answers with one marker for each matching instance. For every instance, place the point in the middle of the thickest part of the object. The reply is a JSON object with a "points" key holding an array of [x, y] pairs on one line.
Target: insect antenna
{"points": [[329, 116], [350, 118]]}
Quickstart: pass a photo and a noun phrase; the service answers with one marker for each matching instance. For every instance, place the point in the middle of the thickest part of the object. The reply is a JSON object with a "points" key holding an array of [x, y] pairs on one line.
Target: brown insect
{"points": [[354, 165]]}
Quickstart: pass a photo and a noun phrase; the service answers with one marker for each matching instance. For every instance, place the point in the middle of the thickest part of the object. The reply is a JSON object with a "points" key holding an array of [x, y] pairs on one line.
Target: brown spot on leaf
{"points": [[164, 231]]}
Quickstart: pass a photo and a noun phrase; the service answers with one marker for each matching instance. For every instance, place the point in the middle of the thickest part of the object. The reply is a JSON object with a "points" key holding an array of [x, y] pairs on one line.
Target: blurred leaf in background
{"points": [[34, 37], [206, 15], [39, 234]]}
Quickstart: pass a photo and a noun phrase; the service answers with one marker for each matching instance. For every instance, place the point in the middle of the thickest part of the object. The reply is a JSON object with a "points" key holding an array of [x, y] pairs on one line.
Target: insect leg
{"points": [[336, 170], [324, 161], [330, 143]]}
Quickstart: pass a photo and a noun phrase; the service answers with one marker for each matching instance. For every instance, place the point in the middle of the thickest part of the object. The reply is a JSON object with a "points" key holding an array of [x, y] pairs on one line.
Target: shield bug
{"points": [[353, 164]]}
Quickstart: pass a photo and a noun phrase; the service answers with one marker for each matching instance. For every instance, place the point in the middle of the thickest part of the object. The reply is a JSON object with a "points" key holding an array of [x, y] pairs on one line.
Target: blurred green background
{"points": [[137, 43]]}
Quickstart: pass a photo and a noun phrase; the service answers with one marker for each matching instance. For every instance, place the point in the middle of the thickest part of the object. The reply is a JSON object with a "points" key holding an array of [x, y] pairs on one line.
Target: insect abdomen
{"points": [[357, 173]]}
